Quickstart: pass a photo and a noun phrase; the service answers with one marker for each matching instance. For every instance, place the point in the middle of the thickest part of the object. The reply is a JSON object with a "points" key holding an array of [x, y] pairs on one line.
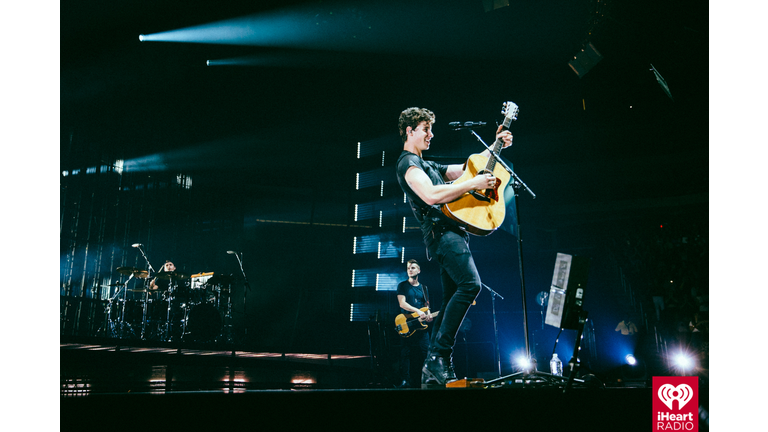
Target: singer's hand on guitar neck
{"points": [[505, 136]]}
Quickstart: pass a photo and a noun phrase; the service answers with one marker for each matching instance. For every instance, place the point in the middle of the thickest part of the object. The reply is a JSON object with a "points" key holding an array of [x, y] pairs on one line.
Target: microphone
{"points": [[465, 125], [136, 245]]}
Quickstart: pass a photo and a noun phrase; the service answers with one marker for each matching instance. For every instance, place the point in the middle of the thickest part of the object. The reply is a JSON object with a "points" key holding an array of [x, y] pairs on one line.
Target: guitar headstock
{"points": [[510, 111]]}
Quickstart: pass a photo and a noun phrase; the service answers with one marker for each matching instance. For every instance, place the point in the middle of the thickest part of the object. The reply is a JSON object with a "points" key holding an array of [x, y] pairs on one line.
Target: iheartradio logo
{"points": [[669, 394], [671, 416]]}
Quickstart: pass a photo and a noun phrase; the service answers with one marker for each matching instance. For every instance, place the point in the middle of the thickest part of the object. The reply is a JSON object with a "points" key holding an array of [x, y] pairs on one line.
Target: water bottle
{"points": [[556, 366]]}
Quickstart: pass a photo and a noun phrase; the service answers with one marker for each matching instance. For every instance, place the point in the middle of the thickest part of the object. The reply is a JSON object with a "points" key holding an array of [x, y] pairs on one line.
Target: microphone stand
{"points": [[146, 293], [245, 293], [530, 374], [516, 184], [494, 294]]}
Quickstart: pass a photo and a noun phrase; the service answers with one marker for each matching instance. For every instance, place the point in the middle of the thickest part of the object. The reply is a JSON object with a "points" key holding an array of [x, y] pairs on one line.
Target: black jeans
{"points": [[461, 285]]}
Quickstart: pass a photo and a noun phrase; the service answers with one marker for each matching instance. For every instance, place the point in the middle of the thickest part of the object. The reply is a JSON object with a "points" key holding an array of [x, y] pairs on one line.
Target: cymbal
{"points": [[171, 275], [139, 273]]}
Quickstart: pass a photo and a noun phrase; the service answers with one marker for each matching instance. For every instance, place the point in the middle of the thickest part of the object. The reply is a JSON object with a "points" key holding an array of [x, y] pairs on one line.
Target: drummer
{"points": [[161, 284]]}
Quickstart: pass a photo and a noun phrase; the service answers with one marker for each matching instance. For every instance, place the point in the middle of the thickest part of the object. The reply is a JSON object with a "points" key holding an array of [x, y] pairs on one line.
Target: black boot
{"points": [[433, 374], [450, 372]]}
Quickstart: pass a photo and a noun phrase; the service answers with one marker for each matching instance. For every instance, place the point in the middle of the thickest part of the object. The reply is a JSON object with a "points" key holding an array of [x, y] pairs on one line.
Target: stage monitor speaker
{"points": [[566, 295]]}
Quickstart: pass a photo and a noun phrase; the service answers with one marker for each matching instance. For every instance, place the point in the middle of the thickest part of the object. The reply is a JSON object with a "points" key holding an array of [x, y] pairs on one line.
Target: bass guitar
{"points": [[408, 324], [482, 212]]}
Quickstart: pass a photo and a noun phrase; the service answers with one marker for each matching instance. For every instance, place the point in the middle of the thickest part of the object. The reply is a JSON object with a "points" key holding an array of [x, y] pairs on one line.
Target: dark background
{"points": [[271, 148]]}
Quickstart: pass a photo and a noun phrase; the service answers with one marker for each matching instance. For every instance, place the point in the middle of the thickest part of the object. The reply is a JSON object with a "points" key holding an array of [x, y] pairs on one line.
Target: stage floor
{"points": [[111, 383]]}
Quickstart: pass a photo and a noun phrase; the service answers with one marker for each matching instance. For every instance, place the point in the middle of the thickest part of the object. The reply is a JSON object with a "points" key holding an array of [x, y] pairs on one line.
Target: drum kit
{"points": [[183, 308]]}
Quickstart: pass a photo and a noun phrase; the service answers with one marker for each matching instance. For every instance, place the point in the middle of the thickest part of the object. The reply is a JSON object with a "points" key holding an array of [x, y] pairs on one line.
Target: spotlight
{"points": [[684, 361], [526, 364], [631, 360], [141, 38]]}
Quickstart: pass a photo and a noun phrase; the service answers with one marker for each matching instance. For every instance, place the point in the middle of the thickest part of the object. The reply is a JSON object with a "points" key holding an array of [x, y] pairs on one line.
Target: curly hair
{"points": [[412, 117]]}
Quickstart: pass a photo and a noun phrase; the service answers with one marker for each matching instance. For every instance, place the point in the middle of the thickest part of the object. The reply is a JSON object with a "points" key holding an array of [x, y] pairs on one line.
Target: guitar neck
{"points": [[497, 146], [432, 315]]}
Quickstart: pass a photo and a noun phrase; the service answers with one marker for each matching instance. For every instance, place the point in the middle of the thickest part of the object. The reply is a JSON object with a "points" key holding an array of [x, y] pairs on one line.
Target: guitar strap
{"points": [[426, 294]]}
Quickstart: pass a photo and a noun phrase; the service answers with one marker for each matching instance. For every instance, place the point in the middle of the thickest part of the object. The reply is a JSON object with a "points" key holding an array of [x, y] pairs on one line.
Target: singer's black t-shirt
{"points": [[427, 215]]}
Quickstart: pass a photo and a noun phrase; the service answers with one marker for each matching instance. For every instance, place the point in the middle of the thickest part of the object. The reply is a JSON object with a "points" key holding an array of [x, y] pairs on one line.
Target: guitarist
{"points": [[425, 185], [411, 297]]}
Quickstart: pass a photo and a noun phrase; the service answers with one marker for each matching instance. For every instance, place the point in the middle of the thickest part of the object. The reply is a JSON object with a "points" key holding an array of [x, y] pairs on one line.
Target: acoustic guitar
{"points": [[408, 324], [482, 212]]}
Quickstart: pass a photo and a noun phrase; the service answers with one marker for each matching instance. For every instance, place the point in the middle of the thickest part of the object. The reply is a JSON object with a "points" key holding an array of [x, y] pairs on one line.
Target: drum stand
{"points": [[165, 333], [186, 306], [107, 329], [144, 313], [227, 327], [123, 324], [146, 291], [108, 324]]}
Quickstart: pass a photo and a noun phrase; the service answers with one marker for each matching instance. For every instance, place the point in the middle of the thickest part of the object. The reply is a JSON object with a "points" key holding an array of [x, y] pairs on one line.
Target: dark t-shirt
{"points": [[427, 215], [414, 295]]}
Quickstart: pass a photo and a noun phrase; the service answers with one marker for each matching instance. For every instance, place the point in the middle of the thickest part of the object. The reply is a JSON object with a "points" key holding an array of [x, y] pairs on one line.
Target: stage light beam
{"points": [[369, 28]]}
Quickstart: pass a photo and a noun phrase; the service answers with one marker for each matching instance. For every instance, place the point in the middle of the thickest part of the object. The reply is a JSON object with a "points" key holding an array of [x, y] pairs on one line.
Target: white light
{"points": [[354, 246], [524, 363], [683, 361], [631, 360], [141, 38]]}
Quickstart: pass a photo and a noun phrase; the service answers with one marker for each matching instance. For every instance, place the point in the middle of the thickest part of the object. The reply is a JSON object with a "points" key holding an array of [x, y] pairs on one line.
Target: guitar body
{"points": [[480, 216], [482, 212], [408, 324]]}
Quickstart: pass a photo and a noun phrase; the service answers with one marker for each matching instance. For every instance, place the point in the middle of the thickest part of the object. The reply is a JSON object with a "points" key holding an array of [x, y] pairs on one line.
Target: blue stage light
{"points": [[631, 360]]}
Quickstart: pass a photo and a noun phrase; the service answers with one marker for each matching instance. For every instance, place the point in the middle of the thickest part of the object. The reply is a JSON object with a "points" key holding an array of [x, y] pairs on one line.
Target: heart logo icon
{"points": [[669, 393]]}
